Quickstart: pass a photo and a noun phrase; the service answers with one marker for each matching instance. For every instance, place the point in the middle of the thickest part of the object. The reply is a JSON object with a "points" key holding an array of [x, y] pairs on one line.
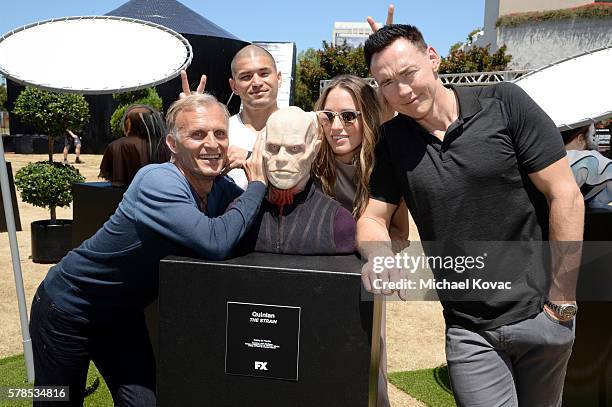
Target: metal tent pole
{"points": [[12, 233]]}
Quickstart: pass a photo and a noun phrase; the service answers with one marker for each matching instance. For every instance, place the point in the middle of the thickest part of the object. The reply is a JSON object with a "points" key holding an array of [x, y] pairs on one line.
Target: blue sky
{"points": [[305, 22]]}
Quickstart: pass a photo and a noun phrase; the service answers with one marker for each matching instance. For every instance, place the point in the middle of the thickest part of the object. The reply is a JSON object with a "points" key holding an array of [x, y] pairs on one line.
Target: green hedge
{"points": [[147, 96], [47, 185], [595, 10], [51, 113]]}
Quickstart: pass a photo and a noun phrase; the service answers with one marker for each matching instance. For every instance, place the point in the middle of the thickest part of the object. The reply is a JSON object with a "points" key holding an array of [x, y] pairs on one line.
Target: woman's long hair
{"points": [[324, 166], [147, 123]]}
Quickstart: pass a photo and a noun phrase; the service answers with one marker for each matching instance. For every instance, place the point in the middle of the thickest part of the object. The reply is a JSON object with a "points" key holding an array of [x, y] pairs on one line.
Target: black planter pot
{"points": [[40, 144], [51, 242], [23, 144], [9, 143], [58, 145]]}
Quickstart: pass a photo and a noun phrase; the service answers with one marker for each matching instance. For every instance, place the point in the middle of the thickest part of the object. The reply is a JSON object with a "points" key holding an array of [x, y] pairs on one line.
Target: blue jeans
{"points": [[519, 364], [64, 344]]}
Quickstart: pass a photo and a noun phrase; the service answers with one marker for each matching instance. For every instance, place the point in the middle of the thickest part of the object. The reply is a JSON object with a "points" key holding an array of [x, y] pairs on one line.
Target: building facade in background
{"points": [[353, 34], [534, 43]]}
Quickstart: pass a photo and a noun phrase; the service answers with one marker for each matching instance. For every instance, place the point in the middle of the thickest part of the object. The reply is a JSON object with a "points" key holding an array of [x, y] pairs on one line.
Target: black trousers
{"points": [[64, 344]]}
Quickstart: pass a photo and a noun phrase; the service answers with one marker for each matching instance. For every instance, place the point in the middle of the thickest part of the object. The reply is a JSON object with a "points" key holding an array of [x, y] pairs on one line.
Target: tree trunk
{"points": [[53, 215], [51, 155]]}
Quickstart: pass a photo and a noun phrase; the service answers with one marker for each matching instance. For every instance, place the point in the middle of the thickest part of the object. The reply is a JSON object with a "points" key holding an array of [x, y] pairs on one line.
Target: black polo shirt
{"points": [[474, 186]]}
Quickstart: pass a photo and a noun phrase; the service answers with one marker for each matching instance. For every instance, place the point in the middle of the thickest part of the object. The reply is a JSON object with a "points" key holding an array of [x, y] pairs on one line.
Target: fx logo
{"points": [[261, 365]]}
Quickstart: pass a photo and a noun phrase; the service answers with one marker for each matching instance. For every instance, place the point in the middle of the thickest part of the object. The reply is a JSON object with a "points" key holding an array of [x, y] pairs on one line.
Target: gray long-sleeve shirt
{"points": [[116, 270]]}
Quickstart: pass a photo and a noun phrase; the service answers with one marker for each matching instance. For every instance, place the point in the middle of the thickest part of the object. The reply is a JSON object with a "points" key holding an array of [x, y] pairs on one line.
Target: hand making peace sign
{"points": [[185, 84], [375, 27]]}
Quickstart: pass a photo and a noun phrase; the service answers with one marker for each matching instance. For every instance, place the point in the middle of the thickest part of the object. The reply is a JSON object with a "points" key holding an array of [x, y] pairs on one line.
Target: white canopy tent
{"points": [[571, 91], [85, 55], [93, 55]]}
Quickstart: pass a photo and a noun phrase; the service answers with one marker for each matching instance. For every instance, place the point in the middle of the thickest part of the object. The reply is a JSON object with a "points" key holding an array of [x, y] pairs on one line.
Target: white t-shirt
{"points": [[243, 137]]}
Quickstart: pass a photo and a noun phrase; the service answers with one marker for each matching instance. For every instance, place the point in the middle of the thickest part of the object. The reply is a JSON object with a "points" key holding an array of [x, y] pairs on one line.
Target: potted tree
{"points": [[52, 113], [48, 184]]}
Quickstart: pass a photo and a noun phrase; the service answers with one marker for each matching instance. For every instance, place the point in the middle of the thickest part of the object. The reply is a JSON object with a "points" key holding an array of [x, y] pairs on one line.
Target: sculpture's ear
{"points": [[318, 129], [314, 135], [313, 117]]}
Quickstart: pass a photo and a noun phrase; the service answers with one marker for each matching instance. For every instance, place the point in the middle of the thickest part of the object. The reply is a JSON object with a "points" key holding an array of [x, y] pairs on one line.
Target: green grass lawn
{"points": [[13, 374], [429, 386]]}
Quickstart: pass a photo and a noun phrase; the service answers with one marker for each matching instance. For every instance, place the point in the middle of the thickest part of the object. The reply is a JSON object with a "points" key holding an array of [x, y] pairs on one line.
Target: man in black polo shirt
{"points": [[478, 164]]}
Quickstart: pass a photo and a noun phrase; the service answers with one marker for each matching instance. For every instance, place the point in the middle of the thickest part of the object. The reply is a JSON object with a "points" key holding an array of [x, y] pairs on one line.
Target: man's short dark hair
{"points": [[252, 50], [570, 135], [382, 38]]}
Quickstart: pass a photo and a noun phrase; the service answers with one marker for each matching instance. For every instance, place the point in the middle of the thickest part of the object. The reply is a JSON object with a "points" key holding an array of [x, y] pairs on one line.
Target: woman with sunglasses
{"points": [[350, 115]]}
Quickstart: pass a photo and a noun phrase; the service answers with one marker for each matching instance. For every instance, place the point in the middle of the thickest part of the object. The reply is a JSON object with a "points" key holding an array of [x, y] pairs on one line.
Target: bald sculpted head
{"points": [[292, 143]]}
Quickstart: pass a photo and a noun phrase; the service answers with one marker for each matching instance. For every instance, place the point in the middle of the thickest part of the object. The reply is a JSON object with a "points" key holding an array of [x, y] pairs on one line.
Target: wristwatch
{"points": [[566, 311]]}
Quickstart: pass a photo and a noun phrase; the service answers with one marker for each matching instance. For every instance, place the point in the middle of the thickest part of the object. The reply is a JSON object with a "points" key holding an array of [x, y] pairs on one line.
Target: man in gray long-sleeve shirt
{"points": [[90, 305]]}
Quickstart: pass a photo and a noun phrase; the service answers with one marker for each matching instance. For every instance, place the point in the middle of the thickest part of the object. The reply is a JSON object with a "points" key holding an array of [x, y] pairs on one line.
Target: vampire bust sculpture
{"points": [[295, 218]]}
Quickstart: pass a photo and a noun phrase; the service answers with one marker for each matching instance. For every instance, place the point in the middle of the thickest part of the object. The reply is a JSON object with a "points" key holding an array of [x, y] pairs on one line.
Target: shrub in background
{"points": [[316, 65], [47, 184], [147, 96], [52, 113]]}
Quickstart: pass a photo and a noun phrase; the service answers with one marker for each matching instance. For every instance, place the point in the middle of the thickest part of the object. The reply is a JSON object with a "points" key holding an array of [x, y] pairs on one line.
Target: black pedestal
{"points": [[588, 382], [93, 204], [3, 228], [207, 359]]}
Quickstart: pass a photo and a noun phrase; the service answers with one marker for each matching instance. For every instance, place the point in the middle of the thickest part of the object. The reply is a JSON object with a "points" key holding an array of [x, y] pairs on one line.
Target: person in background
{"points": [[604, 127], [256, 80], [581, 138], [143, 143], [70, 140], [592, 170]]}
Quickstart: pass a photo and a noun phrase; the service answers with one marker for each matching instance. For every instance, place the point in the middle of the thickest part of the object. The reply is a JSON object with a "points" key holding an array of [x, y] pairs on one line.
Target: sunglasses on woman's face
{"points": [[347, 117]]}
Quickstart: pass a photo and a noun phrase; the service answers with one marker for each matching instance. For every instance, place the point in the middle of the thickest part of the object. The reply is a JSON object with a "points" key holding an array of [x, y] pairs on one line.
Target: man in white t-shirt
{"points": [[255, 80]]}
